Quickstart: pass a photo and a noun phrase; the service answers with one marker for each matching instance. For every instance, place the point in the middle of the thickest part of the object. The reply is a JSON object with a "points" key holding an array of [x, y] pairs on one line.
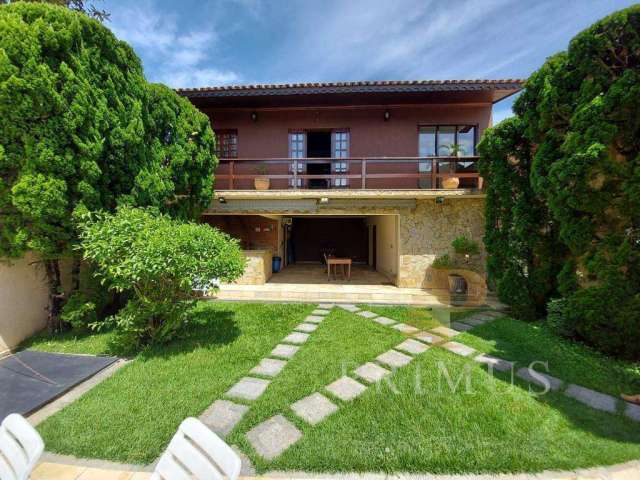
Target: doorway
{"points": [[319, 146]]}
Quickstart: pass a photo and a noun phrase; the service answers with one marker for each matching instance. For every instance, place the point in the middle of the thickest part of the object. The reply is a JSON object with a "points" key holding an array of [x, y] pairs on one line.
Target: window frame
{"points": [[220, 145], [455, 126]]}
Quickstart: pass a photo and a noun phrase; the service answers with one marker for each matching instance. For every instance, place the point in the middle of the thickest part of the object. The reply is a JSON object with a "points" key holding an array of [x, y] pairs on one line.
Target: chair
{"points": [[20, 448], [195, 452]]}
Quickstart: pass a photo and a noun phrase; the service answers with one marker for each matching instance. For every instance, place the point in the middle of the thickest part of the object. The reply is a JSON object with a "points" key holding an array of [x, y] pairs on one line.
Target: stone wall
{"points": [[427, 231], [258, 269]]}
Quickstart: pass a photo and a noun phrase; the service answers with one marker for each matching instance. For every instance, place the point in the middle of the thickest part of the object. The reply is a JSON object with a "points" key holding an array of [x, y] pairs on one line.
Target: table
{"points": [[335, 262]]}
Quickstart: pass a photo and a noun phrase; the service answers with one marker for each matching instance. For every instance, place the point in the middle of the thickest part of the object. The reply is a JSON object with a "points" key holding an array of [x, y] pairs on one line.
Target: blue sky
{"points": [[193, 43]]}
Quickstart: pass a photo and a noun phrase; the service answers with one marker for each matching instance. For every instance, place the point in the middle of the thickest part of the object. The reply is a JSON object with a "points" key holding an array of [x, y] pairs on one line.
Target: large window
{"points": [[227, 143], [446, 140]]}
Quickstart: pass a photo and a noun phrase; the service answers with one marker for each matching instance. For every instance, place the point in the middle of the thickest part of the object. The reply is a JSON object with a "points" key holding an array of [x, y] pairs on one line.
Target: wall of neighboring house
{"points": [[23, 301]]}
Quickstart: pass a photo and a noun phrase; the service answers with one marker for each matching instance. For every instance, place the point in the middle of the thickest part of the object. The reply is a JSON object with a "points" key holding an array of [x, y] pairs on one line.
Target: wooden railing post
{"points": [[363, 173], [434, 177], [295, 174], [231, 175]]}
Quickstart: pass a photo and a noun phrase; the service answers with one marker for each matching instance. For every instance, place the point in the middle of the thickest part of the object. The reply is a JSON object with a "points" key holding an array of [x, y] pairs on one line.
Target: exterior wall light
{"points": [[439, 200], [386, 115], [254, 117], [324, 200], [222, 200]]}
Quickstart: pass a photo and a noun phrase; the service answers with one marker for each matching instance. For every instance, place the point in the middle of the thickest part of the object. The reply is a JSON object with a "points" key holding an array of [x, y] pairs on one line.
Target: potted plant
{"points": [[451, 183], [261, 182]]}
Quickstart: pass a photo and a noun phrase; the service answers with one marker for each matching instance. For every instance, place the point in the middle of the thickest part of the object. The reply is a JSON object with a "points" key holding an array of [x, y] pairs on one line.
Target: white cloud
{"points": [[179, 57]]}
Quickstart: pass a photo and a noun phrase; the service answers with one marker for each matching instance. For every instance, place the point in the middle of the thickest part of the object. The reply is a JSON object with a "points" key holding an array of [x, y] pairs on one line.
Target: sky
{"points": [[197, 43]]}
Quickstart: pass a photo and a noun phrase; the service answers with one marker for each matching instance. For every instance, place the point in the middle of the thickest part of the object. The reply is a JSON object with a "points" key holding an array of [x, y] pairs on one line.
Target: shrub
{"points": [[569, 223], [82, 130], [443, 261], [465, 246], [161, 261], [79, 311]]}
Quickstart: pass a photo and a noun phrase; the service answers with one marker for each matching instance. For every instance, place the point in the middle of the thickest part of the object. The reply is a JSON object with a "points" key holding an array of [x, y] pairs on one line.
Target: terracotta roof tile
{"points": [[357, 86]]}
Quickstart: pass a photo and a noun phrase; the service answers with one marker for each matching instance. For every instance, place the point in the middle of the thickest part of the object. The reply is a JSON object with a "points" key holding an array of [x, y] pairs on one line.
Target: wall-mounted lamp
{"points": [[222, 200], [254, 117], [386, 115], [324, 200], [439, 200]]}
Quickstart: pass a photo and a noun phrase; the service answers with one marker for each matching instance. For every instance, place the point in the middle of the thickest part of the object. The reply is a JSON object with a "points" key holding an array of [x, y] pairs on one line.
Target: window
{"points": [[445, 140], [297, 149], [340, 182], [340, 144], [297, 145], [227, 143]]}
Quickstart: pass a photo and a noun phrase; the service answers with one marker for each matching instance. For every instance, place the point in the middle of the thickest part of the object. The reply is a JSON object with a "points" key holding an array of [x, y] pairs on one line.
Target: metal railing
{"points": [[395, 173]]}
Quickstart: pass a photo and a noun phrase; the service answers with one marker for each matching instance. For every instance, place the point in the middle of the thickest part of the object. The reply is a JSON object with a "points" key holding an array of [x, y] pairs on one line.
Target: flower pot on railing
{"points": [[450, 183], [261, 183]]}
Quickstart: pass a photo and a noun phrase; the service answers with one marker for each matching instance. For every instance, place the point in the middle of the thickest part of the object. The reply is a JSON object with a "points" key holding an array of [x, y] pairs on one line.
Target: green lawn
{"points": [[419, 317], [414, 424], [132, 415]]}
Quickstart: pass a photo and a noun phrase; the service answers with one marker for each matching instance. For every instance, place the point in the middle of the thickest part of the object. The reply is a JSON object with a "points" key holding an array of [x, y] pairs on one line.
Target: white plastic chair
{"points": [[195, 452], [20, 448]]}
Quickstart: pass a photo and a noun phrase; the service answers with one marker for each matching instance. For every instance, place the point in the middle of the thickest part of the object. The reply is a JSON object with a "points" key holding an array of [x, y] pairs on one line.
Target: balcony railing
{"points": [[393, 173]]}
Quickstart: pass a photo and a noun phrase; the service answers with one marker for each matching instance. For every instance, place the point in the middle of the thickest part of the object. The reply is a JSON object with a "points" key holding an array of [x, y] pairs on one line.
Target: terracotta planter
{"points": [[450, 183], [261, 183]]}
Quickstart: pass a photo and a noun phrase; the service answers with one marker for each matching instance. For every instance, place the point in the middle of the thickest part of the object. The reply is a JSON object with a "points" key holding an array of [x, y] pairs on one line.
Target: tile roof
{"points": [[354, 87]]}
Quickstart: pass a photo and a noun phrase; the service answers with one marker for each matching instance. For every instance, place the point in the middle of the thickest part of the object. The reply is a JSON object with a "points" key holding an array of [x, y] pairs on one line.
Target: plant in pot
{"points": [[261, 182], [454, 150]]}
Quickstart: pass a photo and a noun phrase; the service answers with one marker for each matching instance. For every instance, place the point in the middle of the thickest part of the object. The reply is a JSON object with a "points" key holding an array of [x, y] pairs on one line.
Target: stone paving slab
{"points": [[248, 388], [445, 331], [320, 311], [349, 307], [314, 319], [427, 337], [296, 337], [495, 362], [222, 416], [246, 467], [632, 411], [476, 320], [371, 372], [306, 327], [394, 359], [404, 328], [314, 408], [346, 388], [326, 306], [412, 346], [461, 327], [384, 321], [458, 348], [553, 382], [367, 314], [272, 437], [591, 398], [269, 367], [284, 351]]}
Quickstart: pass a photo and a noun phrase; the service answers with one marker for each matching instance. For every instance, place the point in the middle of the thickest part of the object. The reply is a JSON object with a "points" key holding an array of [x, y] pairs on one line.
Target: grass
{"points": [[72, 342], [414, 423], [131, 416], [419, 317], [528, 342]]}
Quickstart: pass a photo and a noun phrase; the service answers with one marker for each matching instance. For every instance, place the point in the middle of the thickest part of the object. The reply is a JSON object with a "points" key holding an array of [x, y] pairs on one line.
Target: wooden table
{"points": [[335, 262]]}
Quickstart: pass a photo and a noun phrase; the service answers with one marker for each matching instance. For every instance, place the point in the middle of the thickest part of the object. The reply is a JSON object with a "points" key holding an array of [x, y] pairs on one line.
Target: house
{"points": [[383, 173]]}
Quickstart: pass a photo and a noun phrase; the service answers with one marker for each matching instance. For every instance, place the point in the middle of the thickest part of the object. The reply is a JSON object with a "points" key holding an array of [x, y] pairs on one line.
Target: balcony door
{"points": [[314, 146]]}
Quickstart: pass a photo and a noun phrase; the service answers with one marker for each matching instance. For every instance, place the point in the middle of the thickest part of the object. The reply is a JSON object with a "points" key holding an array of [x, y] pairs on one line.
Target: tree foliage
{"points": [[81, 130], [580, 113], [161, 261]]}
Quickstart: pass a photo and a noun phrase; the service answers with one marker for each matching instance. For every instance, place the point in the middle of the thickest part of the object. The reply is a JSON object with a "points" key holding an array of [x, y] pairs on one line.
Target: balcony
{"points": [[373, 173]]}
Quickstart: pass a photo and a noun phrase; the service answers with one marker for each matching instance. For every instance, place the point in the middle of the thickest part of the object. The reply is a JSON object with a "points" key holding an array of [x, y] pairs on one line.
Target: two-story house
{"points": [[382, 173]]}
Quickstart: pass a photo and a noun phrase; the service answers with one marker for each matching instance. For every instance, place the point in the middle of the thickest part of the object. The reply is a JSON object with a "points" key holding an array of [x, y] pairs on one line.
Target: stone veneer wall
{"points": [[427, 232]]}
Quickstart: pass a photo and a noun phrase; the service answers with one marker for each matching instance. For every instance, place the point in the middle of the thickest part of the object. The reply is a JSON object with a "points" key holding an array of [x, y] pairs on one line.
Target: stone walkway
{"points": [[273, 436], [223, 415]]}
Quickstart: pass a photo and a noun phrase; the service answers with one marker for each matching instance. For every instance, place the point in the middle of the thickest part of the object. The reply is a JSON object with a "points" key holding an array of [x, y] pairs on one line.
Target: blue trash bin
{"points": [[275, 264]]}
